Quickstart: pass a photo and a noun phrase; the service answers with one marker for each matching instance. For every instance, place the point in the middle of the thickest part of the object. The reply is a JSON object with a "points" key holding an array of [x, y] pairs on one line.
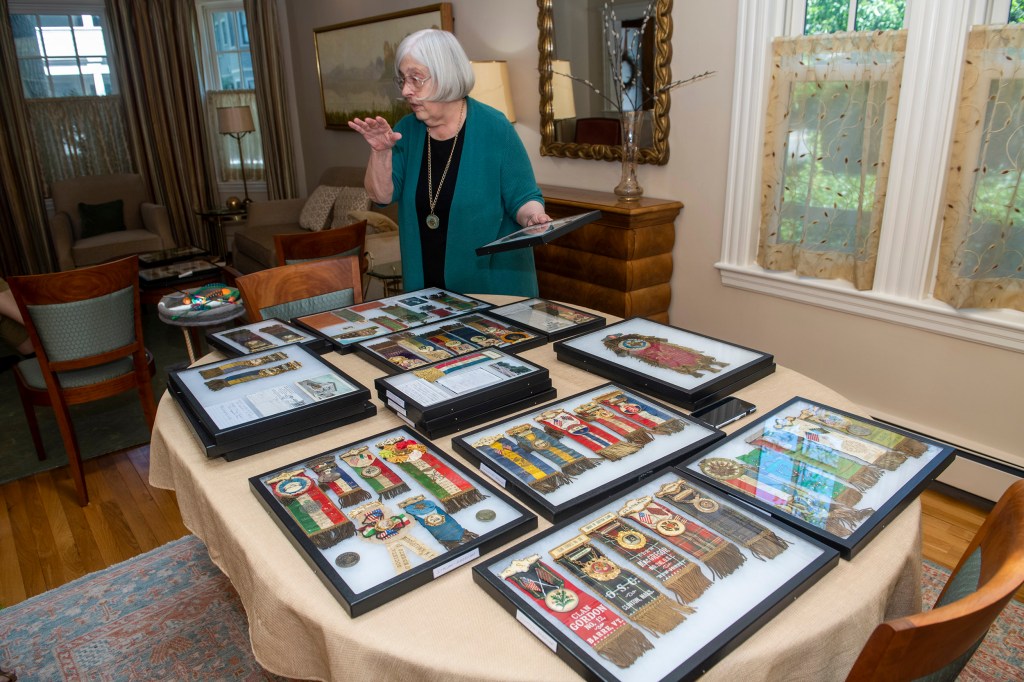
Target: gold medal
{"points": [[601, 569], [630, 539], [670, 527]]}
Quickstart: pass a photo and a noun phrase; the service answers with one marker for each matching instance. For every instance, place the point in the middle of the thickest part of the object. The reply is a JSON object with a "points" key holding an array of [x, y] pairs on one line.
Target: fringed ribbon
{"points": [[624, 590], [331, 477], [282, 333], [440, 369], [438, 523], [762, 542], [658, 352], [717, 553], [874, 433], [531, 438], [323, 523], [682, 577], [633, 432], [522, 464], [593, 438], [453, 302], [656, 420], [811, 449], [404, 314], [380, 526], [422, 347], [248, 340], [772, 463], [246, 363], [454, 492], [385, 482]]}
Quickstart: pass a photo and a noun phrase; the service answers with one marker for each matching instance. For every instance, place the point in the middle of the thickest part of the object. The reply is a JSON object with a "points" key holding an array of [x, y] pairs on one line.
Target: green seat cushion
{"points": [[78, 378], [351, 252], [99, 219], [309, 306]]}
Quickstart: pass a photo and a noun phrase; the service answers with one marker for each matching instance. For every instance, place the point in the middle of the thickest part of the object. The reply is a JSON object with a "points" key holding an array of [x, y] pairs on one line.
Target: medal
{"points": [[433, 222]]}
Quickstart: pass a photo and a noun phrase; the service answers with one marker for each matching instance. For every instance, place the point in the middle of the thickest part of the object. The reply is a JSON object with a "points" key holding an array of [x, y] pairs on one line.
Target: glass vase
{"points": [[629, 188]]}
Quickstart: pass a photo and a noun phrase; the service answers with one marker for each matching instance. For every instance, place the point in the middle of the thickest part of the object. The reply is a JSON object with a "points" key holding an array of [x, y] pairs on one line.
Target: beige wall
{"points": [[962, 391]]}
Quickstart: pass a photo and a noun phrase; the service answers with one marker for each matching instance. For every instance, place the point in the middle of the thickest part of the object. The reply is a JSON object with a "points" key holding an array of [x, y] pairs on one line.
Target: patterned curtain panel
{"points": [[271, 97], [80, 136], [981, 256], [225, 146], [828, 138]]}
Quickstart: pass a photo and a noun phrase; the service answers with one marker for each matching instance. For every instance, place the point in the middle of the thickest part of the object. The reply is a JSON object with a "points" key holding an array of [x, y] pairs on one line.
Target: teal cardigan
{"points": [[495, 179]]}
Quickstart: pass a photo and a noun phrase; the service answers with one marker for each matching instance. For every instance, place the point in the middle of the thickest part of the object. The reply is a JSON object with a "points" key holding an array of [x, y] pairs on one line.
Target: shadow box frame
{"points": [[220, 340], [354, 46], [535, 321], [305, 321], [708, 386], [584, 659], [361, 602], [532, 340], [471, 407], [909, 486], [262, 432], [632, 470], [536, 235]]}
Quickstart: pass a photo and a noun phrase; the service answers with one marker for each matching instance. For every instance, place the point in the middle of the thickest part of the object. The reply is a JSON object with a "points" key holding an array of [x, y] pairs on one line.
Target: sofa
{"points": [[254, 244]]}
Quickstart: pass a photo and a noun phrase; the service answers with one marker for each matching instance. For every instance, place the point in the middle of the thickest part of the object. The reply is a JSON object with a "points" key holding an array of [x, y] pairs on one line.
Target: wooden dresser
{"points": [[620, 264]]}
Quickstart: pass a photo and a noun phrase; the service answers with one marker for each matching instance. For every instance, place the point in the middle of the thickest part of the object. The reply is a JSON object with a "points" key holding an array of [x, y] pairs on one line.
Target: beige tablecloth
{"points": [[450, 629]]}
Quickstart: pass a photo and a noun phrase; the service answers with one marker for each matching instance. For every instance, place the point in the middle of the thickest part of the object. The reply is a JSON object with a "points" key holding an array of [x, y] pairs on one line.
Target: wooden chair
{"points": [[86, 329], [290, 291], [349, 240], [942, 640]]}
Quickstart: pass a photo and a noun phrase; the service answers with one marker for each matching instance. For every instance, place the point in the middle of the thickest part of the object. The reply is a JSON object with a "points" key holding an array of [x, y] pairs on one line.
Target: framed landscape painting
{"points": [[356, 63]]}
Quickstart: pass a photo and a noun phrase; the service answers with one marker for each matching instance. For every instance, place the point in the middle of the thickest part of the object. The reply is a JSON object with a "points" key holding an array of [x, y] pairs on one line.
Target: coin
{"points": [[347, 559], [485, 515]]}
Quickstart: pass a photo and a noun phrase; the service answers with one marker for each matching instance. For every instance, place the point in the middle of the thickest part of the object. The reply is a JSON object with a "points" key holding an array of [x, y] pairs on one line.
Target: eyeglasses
{"points": [[416, 82]]}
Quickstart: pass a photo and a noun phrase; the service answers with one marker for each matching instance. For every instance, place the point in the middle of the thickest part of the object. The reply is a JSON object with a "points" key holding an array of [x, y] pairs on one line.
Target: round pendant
{"points": [[601, 569], [708, 506], [433, 221], [670, 528], [561, 600], [631, 539]]}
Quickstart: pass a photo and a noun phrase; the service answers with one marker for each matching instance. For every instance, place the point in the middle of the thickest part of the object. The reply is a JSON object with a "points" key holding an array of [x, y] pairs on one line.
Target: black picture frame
{"points": [[428, 343], [243, 414], [535, 235], [344, 327], [708, 368], [723, 618], [555, 320], [380, 581], [229, 341], [844, 500], [569, 484]]}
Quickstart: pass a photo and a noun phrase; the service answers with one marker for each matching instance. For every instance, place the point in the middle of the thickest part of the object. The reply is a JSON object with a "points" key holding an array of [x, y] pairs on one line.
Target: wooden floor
{"points": [[46, 539]]}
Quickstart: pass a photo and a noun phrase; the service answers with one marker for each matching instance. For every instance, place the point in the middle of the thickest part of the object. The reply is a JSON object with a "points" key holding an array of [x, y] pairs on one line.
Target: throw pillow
{"points": [[99, 219], [316, 213], [377, 221], [349, 199]]}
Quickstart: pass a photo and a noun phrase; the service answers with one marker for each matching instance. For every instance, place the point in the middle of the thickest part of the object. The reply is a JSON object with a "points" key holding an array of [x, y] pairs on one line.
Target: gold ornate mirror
{"points": [[577, 123]]}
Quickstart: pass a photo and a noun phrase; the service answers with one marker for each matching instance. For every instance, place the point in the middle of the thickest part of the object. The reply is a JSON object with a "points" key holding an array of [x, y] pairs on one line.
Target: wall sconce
{"points": [[237, 122], [492, 87]]}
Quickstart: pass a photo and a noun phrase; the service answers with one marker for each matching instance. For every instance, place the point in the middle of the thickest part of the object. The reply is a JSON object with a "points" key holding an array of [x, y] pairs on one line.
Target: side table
{"points": [[194, 320], [217, 219]]}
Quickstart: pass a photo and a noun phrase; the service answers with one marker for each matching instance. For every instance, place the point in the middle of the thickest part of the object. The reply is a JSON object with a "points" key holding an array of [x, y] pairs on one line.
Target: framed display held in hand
{"points": [[241, 406], [379, 517], [657, 583], [347, 326], [567, 454], [689, 369], [832, 474], [538, 234]]}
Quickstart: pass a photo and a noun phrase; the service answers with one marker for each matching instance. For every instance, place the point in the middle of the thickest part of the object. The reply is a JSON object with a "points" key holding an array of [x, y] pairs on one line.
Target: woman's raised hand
{"points": [[376, 131]]}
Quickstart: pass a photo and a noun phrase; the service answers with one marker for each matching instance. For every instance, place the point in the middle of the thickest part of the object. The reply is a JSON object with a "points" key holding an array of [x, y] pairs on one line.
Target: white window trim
{"points": [[905, 272]]}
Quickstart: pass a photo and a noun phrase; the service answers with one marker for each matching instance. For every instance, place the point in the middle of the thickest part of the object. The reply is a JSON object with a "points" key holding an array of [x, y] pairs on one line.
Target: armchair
{"points": [[147, 225]]}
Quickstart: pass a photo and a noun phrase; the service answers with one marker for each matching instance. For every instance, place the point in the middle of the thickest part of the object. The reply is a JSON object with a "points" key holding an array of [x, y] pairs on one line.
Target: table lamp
{"points": [[563, 103], [237, 122], [492, 87]]}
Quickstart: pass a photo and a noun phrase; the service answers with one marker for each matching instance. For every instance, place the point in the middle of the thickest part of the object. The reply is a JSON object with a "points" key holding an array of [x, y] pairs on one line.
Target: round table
{"points": [[450, 629], [193, 319]]}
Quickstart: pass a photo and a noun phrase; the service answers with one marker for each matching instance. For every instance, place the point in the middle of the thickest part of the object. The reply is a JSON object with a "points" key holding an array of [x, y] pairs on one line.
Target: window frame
{"points": [[908, 247]]}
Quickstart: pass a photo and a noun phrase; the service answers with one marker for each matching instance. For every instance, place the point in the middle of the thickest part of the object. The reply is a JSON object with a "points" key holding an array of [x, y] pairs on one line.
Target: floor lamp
{"points": [[237, 122]]}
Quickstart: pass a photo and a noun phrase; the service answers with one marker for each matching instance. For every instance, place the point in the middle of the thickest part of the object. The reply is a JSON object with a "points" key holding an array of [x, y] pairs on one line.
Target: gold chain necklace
{"points": [[432, 220]]}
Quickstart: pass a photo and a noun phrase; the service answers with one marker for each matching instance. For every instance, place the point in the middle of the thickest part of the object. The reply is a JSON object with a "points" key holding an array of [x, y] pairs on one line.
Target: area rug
{"points": [[171, 614]]}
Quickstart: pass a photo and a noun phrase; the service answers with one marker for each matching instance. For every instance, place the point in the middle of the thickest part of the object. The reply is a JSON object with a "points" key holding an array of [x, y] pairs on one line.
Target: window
{"points": [[230, 83], [909, 201], [70, 90]]}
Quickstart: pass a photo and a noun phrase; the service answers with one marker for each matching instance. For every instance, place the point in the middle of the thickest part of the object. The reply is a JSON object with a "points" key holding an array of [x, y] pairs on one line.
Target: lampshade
{"points": [[235, 120], [563, 103], [492, 87]]}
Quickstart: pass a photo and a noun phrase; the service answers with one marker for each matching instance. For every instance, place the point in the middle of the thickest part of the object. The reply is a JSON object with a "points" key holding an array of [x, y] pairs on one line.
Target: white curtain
{"points": [[226, 147], [828, 139], [981, 254]]}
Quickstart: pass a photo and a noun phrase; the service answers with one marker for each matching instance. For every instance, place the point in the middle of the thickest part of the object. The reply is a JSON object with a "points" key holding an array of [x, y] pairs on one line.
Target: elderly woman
{"points": [[459, 172]]}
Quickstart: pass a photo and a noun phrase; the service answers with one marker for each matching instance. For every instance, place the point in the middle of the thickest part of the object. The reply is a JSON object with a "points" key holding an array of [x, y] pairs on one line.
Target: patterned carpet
{"points": [[171, 614]]}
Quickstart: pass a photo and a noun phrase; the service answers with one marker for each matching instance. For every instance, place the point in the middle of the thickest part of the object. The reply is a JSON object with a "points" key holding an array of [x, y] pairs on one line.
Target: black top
{"points": [[433, 242]]}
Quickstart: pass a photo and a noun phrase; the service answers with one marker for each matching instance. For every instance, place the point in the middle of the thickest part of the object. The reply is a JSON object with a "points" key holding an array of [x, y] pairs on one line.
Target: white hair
{"points": [[451, 75]]}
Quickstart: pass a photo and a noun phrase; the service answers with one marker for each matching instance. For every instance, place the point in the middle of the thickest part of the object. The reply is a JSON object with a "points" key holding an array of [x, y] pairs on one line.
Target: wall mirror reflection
{"points": [[577, 122]]}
